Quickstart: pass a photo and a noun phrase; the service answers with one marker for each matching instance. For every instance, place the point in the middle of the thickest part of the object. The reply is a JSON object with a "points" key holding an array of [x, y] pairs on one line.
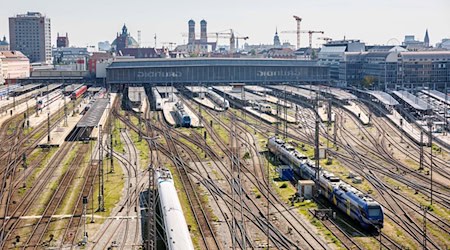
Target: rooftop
{"points": [[383, 97], [412, 100], [179, 62], [94, 114]]}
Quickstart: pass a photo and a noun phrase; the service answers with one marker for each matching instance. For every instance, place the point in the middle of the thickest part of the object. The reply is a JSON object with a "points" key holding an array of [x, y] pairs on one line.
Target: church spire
{"points": [[426, 40]]}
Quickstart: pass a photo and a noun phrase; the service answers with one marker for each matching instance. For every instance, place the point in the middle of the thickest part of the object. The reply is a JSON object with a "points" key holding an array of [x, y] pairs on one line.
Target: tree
{"points": [[368, 81]]}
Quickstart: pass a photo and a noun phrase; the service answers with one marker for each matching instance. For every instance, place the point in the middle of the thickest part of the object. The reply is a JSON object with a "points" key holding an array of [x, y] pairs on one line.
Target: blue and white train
{"points": [[177, 232], [217, 99], [183, 118], [357, 205]]}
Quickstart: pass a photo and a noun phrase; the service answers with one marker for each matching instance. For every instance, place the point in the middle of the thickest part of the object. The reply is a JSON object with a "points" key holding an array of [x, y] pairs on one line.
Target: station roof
{"points": [[437, 95], [134, 92], [308, 94], [412, 100], [26, 88], [49, 87], [183, 62], [197, 89], [383, 97], [166, 89], [337, 93], [238, 95], [94, 114], [94, 89], [72, 87], [257, 88]]}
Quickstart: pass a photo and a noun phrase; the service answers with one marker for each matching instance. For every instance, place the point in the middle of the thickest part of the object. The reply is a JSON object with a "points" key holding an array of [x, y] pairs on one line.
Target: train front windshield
{"points": [[375, 212]]}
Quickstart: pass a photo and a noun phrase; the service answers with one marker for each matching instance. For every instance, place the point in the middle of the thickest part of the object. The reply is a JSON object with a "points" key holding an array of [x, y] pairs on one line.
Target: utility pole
{"points": [[316, 151], [48, 127], [421, 151], [430, 127], [101, 202], [111, 158]]}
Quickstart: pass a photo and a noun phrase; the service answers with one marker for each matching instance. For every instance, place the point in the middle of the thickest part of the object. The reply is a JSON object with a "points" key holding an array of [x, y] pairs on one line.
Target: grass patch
{"points": [[36, 169], [142, 147]]}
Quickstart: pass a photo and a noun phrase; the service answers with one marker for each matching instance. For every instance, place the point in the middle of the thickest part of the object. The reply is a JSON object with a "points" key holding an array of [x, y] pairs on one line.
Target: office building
{"points": [[62, 41], [30, 34]]}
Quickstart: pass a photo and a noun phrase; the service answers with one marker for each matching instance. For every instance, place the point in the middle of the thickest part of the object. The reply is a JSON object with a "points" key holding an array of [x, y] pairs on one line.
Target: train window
{"points": [[374, 211]]}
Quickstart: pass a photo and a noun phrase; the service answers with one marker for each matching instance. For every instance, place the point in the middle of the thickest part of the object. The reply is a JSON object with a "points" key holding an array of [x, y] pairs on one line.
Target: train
{"points": [[77, 93], [158, 99], [177, 232], [219, 100], [263, 107], [44, 101], [359, 206], [182, 116]]}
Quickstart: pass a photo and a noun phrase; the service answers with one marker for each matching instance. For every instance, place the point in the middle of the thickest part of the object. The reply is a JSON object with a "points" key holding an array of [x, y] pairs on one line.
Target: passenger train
{"points": [[158, 99], [182, 116], [44, 101], [359, 206], [177, 232], [77, 93], [219, 100]]}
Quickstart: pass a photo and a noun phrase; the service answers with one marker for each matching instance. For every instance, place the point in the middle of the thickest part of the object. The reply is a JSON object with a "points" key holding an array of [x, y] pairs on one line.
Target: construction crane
{"points": [[298, 20], [310, 33], [234, 40]]}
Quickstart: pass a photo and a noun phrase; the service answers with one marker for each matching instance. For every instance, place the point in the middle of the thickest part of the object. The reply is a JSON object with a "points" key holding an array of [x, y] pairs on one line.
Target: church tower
{"points": [[276, 39]]}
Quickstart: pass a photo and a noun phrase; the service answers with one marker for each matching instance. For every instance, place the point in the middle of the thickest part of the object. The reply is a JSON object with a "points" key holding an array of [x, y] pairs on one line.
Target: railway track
{"points": [[35, 239]]}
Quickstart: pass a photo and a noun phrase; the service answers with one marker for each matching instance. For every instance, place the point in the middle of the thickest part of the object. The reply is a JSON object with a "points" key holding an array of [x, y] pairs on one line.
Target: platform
{"points": [[166, 89], [274, 100], [197, 89], [356, 110], [260, 115], [257, 88], [136, 94], [238, 95], [60, 132], [411, 130], [52, 109], [167, 108]]}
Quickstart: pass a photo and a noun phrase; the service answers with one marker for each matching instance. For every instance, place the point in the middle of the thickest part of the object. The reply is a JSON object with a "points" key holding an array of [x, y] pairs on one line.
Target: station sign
{"points": [[158, 74]]}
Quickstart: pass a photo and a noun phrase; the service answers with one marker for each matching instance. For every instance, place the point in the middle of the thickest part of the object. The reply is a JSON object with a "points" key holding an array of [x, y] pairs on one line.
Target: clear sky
{"points": [[373, 21]]}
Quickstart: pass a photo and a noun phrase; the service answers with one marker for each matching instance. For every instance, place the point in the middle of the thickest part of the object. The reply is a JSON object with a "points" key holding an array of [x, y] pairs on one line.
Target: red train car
{"points": [[77, 93]]}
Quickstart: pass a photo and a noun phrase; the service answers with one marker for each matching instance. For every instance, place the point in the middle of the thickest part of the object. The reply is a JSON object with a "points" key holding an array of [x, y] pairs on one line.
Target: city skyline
{"points": [[100, 20]]}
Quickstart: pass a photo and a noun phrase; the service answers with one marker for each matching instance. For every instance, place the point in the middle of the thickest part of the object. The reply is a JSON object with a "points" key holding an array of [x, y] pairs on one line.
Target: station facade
{"points": [[215, 71]]}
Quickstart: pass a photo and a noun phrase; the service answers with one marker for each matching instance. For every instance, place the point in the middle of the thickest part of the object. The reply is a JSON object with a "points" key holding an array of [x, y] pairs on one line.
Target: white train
{"points": [[44, 101], [346, 198], [262, 107], [219, 100], [158, 99], [177, 232]]}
